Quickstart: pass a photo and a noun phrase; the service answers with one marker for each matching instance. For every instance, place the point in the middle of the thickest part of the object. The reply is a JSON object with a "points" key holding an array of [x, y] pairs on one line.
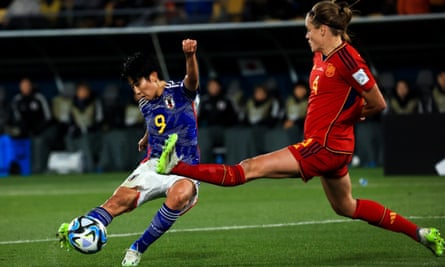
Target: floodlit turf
{"points": [[263, 223]]}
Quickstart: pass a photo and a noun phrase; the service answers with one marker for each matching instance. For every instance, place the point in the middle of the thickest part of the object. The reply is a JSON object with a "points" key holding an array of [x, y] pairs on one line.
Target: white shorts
{"points": [[152, 185]]}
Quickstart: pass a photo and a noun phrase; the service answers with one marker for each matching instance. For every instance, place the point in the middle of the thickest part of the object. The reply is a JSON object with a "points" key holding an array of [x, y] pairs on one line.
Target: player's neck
{"points": [[159, 90], [332, 46]]}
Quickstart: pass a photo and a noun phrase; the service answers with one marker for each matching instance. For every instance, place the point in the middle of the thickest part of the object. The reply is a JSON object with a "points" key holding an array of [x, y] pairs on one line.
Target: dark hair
{"points": [[335, 15], [302, 83], [139, 65]]}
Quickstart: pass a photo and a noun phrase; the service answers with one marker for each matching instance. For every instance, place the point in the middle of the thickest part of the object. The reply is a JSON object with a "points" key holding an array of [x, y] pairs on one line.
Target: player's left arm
{"points": [[191, 80], [374, 101], [364, 81]]}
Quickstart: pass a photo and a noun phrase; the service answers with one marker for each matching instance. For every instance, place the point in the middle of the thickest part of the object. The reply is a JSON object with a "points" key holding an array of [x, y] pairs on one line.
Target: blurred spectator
{"points": [[238, 140], [438, 94], [171, 12], [32, 118], [404, 100], [115, 13], [133, 116], [228, 10], [215, 108], [113, 108], [410, 7], [235, 93], [24, 14], [3, 9], [198, 11], [61, 107], [295, 108], [134, 126], [285, 121], [262, 109], [263, 113], [215, 114], [50, 10], [84, 13], [86, 117], [113, 138], [424, 84]]}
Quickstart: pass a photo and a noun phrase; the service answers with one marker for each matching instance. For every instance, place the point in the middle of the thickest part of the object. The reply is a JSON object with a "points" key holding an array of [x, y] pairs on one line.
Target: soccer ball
{"points": [[87, 235]]}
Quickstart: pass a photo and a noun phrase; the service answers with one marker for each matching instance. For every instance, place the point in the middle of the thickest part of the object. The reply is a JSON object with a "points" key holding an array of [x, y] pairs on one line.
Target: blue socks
{"points": [[161, 222], [102, 215]]}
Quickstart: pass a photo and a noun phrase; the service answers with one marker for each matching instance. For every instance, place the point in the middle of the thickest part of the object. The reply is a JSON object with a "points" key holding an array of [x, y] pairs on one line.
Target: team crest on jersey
{"points": [[330, 70], [169, 102]]}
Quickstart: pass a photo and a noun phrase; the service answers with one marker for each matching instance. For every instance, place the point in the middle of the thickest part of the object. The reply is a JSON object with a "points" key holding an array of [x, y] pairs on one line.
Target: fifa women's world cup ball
{"points": [[87, 235]]}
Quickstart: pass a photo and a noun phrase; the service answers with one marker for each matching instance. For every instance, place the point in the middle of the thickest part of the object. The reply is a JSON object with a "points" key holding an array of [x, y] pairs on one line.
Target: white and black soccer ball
{"points": [[87, 235]]}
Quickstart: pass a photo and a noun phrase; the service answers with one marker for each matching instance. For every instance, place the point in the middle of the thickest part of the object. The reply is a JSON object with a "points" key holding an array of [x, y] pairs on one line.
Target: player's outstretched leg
{"points": [[430, 237], [168, 158]]}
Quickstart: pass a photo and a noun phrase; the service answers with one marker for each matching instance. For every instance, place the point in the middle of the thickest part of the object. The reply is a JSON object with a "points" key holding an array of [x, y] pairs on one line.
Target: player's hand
{"points": [[142, 144], [189, 46]]}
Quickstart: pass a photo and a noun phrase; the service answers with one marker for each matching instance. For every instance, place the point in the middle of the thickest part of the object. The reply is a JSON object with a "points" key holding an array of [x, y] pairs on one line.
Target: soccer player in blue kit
{"points": [[168, 107]]}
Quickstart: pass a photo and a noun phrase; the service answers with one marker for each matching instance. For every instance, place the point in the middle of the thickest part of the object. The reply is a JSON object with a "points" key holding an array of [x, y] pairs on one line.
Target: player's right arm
{"points": [[143, 142], [191, 80]]}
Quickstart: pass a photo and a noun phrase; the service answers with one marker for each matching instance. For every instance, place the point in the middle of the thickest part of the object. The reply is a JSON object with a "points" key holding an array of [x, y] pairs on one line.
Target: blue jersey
{"points": [[173, 112]]}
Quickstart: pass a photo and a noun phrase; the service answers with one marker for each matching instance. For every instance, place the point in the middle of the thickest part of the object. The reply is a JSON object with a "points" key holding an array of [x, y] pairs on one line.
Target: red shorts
{"points": [[316, 160]]}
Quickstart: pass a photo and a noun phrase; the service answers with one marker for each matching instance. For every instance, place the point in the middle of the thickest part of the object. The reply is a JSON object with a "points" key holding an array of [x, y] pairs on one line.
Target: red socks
{"points": [[377, 215], [217, 174]]}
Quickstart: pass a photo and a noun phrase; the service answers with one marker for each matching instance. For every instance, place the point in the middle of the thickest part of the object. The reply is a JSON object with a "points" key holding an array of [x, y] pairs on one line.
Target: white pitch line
{"points": [[224, 228]]}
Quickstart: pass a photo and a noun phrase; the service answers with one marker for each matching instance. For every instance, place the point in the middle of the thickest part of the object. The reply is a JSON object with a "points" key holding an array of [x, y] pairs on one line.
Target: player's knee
{"points": [[338, 210], [249, 168], [180, 195]]}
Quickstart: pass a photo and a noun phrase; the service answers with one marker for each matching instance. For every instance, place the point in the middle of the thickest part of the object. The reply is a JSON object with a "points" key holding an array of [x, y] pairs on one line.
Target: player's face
{"points": [[313, 35], [148, 88]]}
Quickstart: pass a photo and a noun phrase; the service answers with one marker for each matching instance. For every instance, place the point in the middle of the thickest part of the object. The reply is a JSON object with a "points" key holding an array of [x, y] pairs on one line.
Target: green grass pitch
{"points": [[263, 223]]}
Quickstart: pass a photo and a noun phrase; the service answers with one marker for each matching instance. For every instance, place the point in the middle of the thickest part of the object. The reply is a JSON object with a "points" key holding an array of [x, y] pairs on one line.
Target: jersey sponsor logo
{"points": [[330, 70], [361, 77], [169, 102]]}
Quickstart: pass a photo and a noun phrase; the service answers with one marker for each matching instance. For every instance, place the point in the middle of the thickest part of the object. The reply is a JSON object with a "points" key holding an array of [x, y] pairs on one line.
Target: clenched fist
{"points": [[189, 46]]}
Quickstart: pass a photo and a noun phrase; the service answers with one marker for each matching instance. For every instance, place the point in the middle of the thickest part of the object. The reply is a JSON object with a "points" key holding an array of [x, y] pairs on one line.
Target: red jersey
{"points": [[335, 101]]}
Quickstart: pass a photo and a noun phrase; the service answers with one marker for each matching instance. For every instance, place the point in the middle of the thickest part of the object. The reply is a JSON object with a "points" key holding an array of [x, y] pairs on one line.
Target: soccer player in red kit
{"points": [[343, 92]]}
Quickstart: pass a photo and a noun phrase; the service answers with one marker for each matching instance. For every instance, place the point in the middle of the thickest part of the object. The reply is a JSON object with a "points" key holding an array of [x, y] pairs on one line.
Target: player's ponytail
{"points": [[335, 15]]}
